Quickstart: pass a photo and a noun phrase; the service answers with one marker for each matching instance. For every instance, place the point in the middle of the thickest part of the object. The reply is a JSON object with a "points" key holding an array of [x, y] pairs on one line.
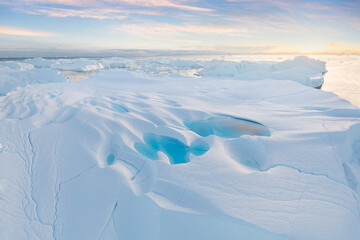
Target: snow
{"points": [[14, 74], [301, 69], [147, 152]]}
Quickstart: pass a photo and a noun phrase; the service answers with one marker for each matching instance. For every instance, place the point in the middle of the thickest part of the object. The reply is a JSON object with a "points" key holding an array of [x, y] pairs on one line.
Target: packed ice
{"points": [[301, 69]]}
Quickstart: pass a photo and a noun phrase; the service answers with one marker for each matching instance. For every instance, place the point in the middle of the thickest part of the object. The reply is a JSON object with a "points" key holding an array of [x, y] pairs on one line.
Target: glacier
{"points": [[176, 149]]}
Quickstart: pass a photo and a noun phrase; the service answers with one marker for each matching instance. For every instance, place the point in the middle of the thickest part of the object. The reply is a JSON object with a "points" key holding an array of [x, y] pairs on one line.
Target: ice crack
{"points": [[57, 197], [108, 221]]}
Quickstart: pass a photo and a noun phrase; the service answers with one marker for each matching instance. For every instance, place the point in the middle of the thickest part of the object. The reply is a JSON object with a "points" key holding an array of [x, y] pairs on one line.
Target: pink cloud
{"points": [[5, 30], [152, 29], [97, 13], [140, 3], [85, 13]]}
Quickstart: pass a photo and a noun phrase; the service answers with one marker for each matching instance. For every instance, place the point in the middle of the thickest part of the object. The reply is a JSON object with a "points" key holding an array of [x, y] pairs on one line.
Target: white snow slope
{"points": [[128, 155]]}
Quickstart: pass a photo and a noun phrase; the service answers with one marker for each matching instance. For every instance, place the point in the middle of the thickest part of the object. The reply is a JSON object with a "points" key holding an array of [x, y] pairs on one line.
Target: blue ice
{"points": [[119, 108], [250, 162], [227, 127], [175, 150], [110, 159]]}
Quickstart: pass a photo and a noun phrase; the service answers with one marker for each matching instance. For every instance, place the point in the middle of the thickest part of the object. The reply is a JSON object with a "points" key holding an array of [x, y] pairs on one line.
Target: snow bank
{"points": [[127, 155]]}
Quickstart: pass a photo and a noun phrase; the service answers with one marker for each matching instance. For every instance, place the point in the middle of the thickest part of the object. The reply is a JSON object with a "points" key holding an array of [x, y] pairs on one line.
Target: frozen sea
{"points": [[343, 77], [242, 147]]}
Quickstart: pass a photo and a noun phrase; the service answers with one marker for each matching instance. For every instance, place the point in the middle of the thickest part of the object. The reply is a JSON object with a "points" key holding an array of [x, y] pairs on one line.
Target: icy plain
{"points": [[176, 149]]}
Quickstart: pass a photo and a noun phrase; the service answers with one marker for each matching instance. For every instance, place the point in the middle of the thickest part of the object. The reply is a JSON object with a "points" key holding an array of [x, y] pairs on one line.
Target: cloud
{"points": [[118, 3], [151, 29], [158, 23], [104, 9], [5, 30], [164, 3], [101, 14], [170, 36], [275, 2], [88, 13]]}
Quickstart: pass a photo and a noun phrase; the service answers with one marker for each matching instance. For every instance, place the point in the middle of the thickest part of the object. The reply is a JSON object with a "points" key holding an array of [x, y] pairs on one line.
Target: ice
{"points": [[176, 151], [142, 149], [110, 159], [119, 108], [15, 75], [78, 65], [41, 62], [227, 127], [2, 148], [301, 69]]}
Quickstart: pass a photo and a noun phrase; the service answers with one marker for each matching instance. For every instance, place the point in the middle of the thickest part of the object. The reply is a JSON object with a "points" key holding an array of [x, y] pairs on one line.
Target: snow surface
{"points": [[129, 154]]}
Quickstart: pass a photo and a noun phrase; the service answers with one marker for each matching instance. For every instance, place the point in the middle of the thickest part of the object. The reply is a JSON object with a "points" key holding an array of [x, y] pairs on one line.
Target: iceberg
{"points": [[141, 150]]}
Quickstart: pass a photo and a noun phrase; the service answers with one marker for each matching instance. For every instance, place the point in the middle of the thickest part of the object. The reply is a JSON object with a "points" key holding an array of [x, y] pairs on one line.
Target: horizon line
{"points": [[79, 53]]}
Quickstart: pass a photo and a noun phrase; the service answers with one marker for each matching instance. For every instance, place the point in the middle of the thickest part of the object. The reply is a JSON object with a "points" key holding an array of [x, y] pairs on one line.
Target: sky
{"points": [[46, 27]]}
